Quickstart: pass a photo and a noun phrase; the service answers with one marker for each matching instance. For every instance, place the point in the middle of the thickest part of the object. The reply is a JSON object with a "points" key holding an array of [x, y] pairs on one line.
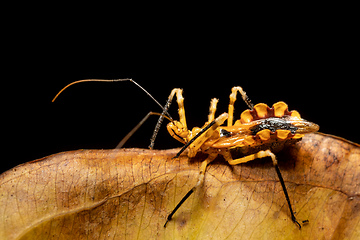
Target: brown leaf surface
{"points": [[127, 194]]}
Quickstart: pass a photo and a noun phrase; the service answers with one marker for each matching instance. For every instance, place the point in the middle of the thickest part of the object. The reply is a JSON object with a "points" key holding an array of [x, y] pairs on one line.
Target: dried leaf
{"points": [[127, 194]]}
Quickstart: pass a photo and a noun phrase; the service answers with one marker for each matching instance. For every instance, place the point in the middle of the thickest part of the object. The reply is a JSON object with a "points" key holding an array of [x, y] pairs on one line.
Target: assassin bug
{"points": [[260, 132]]}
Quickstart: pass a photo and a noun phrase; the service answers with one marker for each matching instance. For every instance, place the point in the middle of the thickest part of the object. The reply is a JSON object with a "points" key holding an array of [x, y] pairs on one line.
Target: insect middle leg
{"points": [[246, 99], [262, 154], [212, 110], [199, 182]]}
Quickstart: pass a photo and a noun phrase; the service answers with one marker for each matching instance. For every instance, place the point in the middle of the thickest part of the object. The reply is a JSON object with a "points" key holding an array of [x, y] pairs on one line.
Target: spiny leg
{"points": [[200, 181], [180, 101], [246, 99], [262, 154]]}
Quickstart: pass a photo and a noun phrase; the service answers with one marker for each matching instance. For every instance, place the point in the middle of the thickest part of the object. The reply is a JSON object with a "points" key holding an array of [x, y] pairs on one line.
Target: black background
{"points": [[307, 59]]}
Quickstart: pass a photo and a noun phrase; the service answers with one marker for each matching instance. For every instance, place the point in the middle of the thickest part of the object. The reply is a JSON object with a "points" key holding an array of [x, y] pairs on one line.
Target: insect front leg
{"points": [[179, 128], [262, 154], [177, 131], [199, 182]]}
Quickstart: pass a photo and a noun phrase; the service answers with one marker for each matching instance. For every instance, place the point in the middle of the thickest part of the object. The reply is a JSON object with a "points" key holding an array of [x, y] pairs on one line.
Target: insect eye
{"points": [[224, 133]]}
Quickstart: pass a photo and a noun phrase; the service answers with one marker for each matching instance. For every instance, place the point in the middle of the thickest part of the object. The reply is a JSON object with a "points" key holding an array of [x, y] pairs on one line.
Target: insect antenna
{"points": [[115, 80], [165, 112], [124, 140]]}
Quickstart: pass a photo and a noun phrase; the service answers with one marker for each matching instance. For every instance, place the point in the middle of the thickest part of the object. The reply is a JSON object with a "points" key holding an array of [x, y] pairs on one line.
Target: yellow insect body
{"points": [[259, 128], [260, 132]]}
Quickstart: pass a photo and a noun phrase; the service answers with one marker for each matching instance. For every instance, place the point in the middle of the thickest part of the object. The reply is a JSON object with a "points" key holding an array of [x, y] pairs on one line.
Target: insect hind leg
{"points": [[273, 157], [262, 154]]}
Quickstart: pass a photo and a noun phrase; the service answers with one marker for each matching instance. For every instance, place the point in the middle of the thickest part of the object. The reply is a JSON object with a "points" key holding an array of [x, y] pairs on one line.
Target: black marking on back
{"points": [[273, 124], [224, 133]]}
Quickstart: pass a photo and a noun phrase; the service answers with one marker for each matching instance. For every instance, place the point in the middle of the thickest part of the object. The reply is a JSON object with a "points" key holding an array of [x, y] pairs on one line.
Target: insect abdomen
{"points": [[273, 124]]}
